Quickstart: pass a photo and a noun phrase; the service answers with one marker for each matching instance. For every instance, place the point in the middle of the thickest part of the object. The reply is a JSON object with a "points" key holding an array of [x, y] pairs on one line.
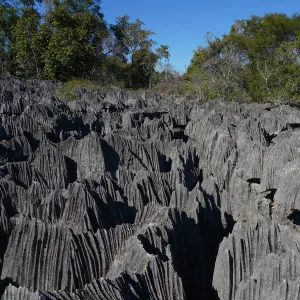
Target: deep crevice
{"points": [[294, 216], [254, 180], [71, 169], [5, 283], [270, 194], [269, 137], [294, 126], [151, 249], [179, 135]]}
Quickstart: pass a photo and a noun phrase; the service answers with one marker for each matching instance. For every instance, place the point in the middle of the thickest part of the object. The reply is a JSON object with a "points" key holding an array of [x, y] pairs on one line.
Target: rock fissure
{"points": [[118, 196]]}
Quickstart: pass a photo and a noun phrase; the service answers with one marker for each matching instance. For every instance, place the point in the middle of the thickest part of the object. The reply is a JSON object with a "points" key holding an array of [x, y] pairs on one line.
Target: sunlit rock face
{"points": [[139, 196]]}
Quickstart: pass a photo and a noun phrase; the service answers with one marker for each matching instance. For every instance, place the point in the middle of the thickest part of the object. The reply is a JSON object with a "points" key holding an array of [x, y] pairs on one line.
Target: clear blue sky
{"points": [[182, 24]]}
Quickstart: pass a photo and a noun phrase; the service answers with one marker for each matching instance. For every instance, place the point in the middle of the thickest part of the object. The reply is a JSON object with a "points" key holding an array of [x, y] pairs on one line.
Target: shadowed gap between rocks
{"points": [[140, 288], [4, 237], [151, 249], [295, 216], [165, 163], [71, 169], [295, 126], [269, 137], [270, 195], [195, 249], [179, 135], [122, 212], [111, 157], [6, 282], [254, 180], [34, 144], [70, 127]]}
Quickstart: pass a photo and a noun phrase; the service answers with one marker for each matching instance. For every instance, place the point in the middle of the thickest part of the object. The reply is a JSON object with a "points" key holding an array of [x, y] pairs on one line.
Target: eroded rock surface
{"points": [[125, 196]]}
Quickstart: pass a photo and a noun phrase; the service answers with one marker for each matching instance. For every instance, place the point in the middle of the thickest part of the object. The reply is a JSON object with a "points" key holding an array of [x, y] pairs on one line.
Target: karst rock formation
{"points": [[143, 196]]}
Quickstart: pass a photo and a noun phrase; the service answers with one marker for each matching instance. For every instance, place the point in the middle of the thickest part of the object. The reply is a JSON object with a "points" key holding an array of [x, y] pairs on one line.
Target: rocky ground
{"points": [[122, 196]]}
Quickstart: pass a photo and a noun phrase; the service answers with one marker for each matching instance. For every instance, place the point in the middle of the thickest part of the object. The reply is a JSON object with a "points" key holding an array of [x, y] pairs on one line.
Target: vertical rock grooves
{"points": [[120, 196]]}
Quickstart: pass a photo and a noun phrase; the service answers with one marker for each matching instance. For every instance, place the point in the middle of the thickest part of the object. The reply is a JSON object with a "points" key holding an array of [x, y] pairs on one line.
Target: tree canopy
{"points": [[259, 58], [71, 39]]}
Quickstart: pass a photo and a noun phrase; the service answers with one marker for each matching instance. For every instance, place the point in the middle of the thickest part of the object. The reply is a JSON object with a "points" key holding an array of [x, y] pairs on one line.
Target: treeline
{"points": [[258, 60], [71, 39]]}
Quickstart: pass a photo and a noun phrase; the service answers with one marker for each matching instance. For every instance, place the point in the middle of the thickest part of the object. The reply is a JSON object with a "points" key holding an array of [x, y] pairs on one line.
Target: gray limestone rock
{"points": [[124, 195]]}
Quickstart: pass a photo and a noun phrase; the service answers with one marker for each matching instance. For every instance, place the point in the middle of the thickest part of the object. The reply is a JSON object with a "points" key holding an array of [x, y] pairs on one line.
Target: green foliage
{"points": [[258, 59], [67, 91], [71, 40], [142, 67], [8, 17], [27, 55], [133, 45], [130, 36], [288, 67], [74, 31]]}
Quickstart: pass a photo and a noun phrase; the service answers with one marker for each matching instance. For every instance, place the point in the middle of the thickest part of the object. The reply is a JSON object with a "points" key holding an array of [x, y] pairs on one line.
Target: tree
{"points": [[288, 67], [133, 44], [75, 31], [259, 57], [145, 61], [8, 17], [257, 39], [130, 36], [217, 68], [71, 39], [27, 53]]}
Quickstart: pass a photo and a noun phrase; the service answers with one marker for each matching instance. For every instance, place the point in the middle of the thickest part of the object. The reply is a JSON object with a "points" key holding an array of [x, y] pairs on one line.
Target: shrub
{"points": [[67, 91]]}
